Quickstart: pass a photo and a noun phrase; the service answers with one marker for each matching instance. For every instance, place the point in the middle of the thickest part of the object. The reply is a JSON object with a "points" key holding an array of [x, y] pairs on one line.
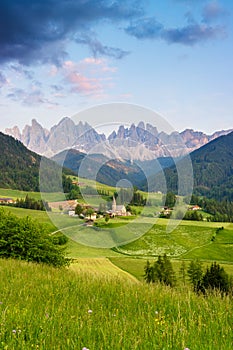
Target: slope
{"points": [[212, 170]]}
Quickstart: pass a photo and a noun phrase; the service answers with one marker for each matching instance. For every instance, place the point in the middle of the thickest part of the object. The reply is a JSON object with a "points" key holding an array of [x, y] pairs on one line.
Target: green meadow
{"points": [[102, 302], [94, 305]]}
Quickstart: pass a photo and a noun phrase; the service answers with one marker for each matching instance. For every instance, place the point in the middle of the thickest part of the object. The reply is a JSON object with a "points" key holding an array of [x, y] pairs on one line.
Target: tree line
{"points": [[212, 278]]}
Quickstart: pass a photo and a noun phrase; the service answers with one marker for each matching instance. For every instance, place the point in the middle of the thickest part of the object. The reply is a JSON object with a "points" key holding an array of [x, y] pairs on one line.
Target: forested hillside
{"points": [[212, 170], [20, 167]]}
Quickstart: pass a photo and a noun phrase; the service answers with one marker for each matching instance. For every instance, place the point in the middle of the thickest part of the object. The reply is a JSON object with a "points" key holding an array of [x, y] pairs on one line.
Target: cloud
{"points": [[38, 30], [30, 97], [82, 84], [97, 48], [145, 28], [193, 33], [3, 80], [21, 71], [86, 77], [213, 11]]}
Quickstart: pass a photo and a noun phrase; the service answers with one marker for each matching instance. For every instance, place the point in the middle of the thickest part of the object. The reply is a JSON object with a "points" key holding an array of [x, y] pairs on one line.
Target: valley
{"points": [[108, 233]]}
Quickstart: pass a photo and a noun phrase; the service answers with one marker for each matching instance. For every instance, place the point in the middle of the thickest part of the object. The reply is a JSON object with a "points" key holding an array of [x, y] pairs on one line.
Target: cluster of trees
{"points": [[26, 239], [220, 211], [169, 200], [79, 209], [161, 271], [31, 203], [213, 278], [130, 196]]}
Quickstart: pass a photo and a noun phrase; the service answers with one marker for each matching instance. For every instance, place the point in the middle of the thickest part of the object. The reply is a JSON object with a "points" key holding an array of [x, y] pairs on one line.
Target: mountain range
{"points": [[212, 167], [141, 142]]}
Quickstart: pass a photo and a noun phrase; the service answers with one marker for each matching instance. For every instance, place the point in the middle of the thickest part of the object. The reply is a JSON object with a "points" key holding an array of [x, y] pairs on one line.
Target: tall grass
{"points": [[49, 309]]}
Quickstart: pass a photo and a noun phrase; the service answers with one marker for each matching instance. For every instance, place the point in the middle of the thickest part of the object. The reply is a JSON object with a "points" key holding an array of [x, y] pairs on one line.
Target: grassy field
{"points": [[191, 239], [135, 266], [94, 306], [51, 197]]}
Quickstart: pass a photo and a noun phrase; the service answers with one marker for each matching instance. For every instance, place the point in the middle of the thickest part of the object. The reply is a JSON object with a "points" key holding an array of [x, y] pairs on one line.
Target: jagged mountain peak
{"points": [[137, 141]]}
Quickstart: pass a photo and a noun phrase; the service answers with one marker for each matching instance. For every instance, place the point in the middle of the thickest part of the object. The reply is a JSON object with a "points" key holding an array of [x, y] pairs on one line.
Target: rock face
{"points": [[62, 136], [138, 142]]}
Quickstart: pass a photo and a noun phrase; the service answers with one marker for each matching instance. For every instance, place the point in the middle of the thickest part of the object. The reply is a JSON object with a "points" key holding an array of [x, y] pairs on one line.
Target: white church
{"points": [[118, 210]]}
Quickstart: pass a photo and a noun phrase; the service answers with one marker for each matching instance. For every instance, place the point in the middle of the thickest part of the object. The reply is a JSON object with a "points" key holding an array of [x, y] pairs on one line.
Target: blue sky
{"points": [[172, 56]]}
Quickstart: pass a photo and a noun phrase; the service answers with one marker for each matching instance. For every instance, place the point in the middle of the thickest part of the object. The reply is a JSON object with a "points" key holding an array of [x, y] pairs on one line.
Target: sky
{"points": [[60, 57]]}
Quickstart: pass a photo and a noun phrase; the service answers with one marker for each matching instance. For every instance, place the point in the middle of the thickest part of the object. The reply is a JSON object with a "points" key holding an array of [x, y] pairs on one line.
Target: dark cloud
{"points": [[36, 30], [97, 48], [145, 28], [191, 34]]}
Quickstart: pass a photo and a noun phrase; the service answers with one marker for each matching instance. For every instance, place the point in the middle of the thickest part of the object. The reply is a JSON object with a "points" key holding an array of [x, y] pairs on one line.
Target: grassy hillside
{"points": [[44, 308], [189, 240]]}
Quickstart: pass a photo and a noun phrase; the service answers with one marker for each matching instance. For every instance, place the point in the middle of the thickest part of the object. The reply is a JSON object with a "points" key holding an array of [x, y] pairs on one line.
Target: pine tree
{"points": [[182, 272], [216, 278], [148, 273], [195, 274]]}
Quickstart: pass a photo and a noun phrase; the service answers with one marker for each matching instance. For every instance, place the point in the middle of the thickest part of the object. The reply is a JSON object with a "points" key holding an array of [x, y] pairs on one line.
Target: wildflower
{"points": [[90, 312], [85, 348], [14, 331], [186, 349]]}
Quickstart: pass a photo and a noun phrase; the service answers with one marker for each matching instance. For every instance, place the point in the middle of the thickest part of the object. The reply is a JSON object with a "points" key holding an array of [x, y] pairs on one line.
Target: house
{"points": [[91, 217], [195, 207], [6, 200]]}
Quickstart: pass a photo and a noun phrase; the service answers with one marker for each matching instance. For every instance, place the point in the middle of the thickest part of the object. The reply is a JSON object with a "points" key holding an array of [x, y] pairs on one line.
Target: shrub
{"points": [[26, 239]]}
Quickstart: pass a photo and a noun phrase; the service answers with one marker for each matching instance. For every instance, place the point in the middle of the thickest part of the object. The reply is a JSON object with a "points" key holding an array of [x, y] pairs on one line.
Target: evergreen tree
{"points": [[215, 277], [161, 271], [148, 272], [182, 272], [78, 209], [195, 274]]}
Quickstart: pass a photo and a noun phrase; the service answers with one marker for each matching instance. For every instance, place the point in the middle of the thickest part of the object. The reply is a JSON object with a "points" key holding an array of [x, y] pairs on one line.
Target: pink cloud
{"points": [[89, 76], [83, 84]]}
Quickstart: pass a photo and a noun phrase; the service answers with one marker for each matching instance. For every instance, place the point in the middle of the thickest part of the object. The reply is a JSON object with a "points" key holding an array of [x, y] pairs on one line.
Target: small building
{"points": [[5, 200], [195, 207], [91, 217]]}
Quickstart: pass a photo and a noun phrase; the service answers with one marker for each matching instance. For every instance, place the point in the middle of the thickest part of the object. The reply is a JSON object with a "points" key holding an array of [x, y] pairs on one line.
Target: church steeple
{"points": [[114, 204]]}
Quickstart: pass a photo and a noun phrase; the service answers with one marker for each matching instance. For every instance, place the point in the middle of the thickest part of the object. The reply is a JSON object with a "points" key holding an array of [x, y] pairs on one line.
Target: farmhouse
{"points": [[6, 200], [195, 207]]}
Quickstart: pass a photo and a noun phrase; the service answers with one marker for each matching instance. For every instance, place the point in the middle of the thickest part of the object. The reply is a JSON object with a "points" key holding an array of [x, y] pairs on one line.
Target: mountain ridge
{"points": [[137, 142]]}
